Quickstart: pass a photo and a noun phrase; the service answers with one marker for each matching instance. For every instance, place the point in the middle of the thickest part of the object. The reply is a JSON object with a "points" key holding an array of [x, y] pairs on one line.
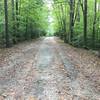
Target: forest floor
{"points": [[48, 69]]}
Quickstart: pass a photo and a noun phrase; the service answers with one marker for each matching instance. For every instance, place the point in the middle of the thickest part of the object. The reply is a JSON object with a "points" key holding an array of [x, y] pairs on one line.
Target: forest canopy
{"points": [[22, 20], [77, 22]]}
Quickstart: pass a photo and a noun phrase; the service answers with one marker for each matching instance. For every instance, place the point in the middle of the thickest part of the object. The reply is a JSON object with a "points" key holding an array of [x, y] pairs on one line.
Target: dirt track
{"points": [[41, 70]]}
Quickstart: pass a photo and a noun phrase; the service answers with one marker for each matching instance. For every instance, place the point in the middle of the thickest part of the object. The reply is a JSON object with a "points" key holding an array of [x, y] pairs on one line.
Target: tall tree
{"points": [[13, 7], [72, 4], [13, 13], [94, 23], [85, 22], [17, 13], [6, 23]]}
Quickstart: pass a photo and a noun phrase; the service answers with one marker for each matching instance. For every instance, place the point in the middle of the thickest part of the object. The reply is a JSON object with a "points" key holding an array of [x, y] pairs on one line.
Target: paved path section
{"points": [[41, 71]]}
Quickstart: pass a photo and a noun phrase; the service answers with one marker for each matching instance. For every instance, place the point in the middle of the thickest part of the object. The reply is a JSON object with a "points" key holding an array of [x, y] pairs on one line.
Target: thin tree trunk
{"points": [[71, 19], [85, 22], [13, 15], [26, 34], [6, 23], [17, 12], [94, 23]]}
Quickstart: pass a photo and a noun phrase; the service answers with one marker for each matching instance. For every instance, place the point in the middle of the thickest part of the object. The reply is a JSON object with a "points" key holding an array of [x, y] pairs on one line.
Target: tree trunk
{"points": [[13, 15], [71, 19], [85, 22], [26, 32], [17, 12], [6, 23], [94, 23]]}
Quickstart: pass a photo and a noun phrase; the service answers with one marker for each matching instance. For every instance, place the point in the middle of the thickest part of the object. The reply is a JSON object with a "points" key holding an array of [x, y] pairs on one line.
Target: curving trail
{"points": [[40, 70]]}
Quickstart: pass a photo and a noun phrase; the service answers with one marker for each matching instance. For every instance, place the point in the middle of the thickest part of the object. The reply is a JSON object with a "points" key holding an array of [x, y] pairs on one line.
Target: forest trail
{"points": [[45, 70]]}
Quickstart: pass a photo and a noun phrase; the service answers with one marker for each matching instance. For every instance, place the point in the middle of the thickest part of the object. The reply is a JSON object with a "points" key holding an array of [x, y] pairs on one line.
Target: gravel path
{"points": [[40, 70]]}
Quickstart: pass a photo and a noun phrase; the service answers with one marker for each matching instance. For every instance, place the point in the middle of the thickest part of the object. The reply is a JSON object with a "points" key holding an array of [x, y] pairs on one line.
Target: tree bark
{"points": [[94, 24], [13, 15], [71, 19], [85, 23], [6, 23], [17, 13]]}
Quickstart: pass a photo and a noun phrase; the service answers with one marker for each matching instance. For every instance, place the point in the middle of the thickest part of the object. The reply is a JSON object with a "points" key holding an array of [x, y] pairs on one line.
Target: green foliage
{"points": [[30, 21], [78, 34], [65, 18]]}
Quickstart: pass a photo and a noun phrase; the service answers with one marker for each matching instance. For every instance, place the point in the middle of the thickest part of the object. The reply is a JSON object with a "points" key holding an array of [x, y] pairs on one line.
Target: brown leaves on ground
{"points": [[85, 61], [38, 68]]}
